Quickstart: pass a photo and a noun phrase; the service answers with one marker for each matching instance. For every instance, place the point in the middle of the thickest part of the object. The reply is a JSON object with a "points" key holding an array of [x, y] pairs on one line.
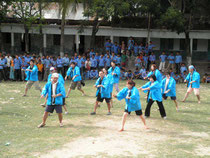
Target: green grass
{"points": [[20, 116]]}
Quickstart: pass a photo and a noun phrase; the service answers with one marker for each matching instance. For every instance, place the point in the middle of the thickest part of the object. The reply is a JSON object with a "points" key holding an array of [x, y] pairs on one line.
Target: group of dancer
{"points": [[156, 88]]}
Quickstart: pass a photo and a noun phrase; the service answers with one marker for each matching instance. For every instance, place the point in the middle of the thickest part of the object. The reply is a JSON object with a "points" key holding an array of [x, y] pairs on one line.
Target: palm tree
{"points": [[63, 10]]}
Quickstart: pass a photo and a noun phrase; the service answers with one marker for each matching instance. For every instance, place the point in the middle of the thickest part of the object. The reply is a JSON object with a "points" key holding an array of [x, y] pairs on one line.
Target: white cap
{"points": [[55, 75], [52, 69]]}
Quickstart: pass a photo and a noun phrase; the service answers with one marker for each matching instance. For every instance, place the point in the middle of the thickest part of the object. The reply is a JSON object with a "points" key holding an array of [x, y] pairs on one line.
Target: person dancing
{"points": [[193, 79], [154, 88], [132, 98], [115, 72]]}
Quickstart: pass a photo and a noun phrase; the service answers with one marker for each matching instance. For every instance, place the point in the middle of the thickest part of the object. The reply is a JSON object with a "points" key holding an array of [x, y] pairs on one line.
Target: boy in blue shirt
{"points": [[17, 70], [66, 62], [178, 61], [74, 73], [137, 74], [60, 65], [171, 61], [93, 74], [54, 91], [101, 62], [93, 62], [108, 61], [162, 58], [177, 78]]}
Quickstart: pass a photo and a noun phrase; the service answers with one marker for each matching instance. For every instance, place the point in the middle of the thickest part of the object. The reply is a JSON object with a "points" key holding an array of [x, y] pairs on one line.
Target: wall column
{"points": [[12, 43], [44, 44], [77, 41]]}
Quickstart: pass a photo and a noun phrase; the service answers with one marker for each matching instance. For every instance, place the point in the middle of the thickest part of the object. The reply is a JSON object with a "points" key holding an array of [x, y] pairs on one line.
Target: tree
{"points": [[63, 10], [99, 10], [28, 14], [182, 16], [151, 8]]}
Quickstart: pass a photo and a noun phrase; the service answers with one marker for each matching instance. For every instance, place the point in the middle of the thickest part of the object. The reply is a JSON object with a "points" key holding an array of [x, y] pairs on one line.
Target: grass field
{"points": [[184, 134]]}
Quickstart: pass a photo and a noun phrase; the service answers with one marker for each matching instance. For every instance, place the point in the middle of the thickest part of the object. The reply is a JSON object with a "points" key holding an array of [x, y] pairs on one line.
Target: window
{"points": [[195, 41], [166, 44], [7, 38], [56, 40], [170, 44], [182, 44], [208, 45]]}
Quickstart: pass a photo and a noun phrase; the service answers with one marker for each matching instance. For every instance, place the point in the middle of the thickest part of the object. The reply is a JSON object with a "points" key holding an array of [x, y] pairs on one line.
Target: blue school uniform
{"points": [[60, 62], [193, 77], [108, 46], [28, 59], [114, 58], [116, 76], [118, 60], [132, 104], [97, 59], [105, 92], [115, 49], [101, 62], [178, 59], [152, 58], [32, 76], [108, 62], [59, 90], [92, 53], [66, 61], [155, 91], [136, 49], [93, 62], [79, 62], [47, 63], [163, 58], [171, 59], [17, 64], [157, 74], [171, 85], [24, 65], [183, 68], [93, 73], [70, 72], [2, 63]]}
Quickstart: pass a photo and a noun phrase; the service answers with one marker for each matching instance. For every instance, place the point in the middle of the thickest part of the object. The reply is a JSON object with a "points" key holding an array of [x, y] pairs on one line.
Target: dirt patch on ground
{"points": [[110, 142], [203, 151]]}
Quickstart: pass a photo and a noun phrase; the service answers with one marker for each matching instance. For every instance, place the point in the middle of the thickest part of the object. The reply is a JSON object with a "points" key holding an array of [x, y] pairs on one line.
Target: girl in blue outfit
{"points": [[132, 99], [111, 82], [169, 88], [31, 77], [156, 72], [154, 88], [115, 72], [103, 92]]}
